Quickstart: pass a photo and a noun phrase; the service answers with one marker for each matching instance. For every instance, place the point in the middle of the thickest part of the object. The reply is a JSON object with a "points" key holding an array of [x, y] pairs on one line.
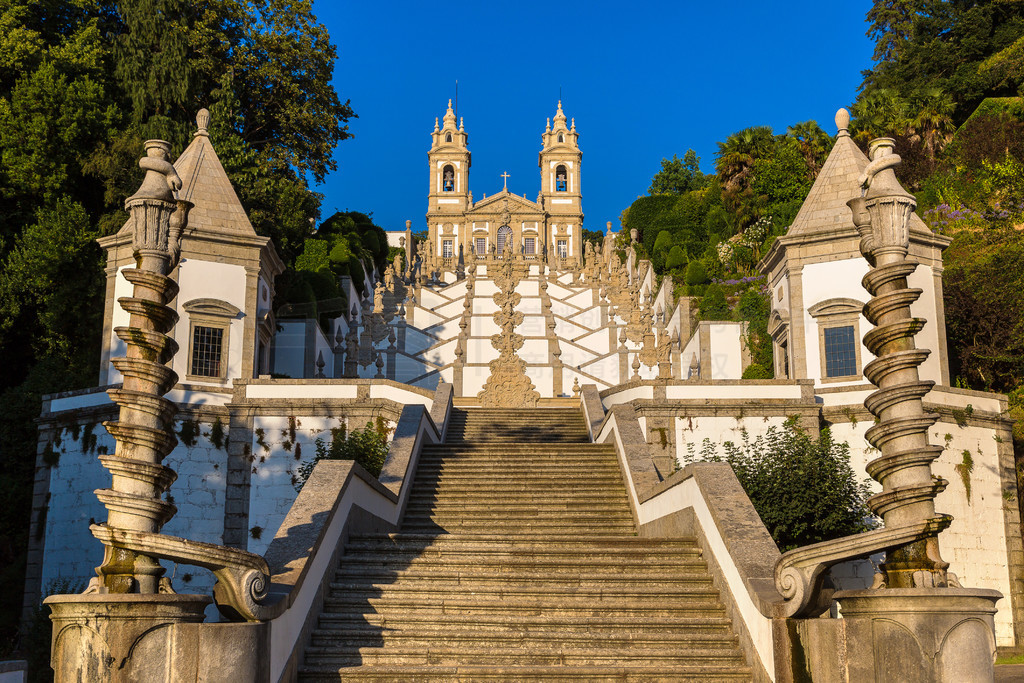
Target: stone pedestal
{"points": [[122, 638], [918, 635]]}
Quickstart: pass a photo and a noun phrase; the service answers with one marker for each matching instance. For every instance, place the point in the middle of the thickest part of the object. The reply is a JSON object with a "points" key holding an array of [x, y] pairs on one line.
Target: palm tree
{"points": [[737, 154], [879, 112], [933, 126], [814, 144]]}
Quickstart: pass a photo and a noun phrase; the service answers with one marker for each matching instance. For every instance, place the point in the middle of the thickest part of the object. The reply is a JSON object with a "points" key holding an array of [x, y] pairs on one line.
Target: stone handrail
{"points": [[703, 500], [304, 552]]}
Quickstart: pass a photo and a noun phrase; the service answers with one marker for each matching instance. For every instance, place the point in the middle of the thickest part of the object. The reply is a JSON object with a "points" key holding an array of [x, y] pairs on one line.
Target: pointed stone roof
{"points": [[205, 183], [825, 210]]}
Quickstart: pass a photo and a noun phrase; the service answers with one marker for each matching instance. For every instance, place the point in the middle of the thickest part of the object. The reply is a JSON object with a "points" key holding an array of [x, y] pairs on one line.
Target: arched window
{"points": [[448, 176], [561, 178], [504, 235], [448, 137], [561, 138]]}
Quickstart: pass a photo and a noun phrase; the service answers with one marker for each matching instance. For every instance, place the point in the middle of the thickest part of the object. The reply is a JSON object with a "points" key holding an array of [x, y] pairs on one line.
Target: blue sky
{"points": [[644, 81]]}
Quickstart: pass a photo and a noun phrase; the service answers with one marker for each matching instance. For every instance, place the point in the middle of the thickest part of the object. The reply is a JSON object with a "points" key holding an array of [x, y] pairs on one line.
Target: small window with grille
{"points": [[481, 246], [839, 343], [209, 331], [531, 245], [563, 248], [207, 351], [840, 351], [447, 249]]}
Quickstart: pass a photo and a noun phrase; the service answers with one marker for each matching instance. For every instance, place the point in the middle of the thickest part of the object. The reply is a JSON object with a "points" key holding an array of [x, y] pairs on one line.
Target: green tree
{"points": [[678, 176], [805, 491]]}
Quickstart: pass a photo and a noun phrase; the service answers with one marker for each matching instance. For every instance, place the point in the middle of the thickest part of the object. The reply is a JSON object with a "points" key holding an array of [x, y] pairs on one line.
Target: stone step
{"points": [[637, 673], [436, 578], [562, 451], [450, 491], [567, 637], [506, 564], [539, 622], [579, 550], [442, 654], [555, 523], [522, 477], [525, 507], [529, 597], [400, 539]]}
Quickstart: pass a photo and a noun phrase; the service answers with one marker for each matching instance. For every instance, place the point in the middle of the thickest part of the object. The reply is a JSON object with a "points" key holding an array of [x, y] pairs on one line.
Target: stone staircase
{"points": [[518, 560]]}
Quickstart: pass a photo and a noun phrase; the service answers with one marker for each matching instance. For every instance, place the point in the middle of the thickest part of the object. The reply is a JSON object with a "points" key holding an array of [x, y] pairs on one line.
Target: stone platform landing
{"points": [[518, 560]]}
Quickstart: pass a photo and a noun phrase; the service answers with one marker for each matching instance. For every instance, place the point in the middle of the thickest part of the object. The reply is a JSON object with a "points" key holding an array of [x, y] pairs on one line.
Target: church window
{"points": [[563, 248], [447, 249], [448, 179], [210, 322], [838, 338], [840, 351], [448, 137], [481, 246], [561, 179], [561, 138], [531, 245], [207, 348], [504, 234]]}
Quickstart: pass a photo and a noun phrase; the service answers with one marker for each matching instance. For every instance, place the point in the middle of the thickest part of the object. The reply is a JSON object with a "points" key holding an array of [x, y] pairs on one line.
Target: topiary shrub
{"points": [[676, 258], [696, 274]]}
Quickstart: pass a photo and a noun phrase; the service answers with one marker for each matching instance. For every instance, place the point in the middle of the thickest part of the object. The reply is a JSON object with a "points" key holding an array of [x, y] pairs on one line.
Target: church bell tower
{"points": [[449, 167], [560, 192]]}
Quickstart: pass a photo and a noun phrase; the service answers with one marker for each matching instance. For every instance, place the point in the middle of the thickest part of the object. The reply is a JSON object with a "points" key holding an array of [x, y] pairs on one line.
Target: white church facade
{"points": [[497, 278]]}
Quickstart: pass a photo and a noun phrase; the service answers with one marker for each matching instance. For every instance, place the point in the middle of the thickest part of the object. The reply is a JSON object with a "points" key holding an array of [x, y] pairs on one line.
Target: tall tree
{"points": [[678, 176]]}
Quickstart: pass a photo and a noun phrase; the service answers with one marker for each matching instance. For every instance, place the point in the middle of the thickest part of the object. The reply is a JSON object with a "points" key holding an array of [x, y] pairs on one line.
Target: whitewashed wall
{"points": [[70, 551]]}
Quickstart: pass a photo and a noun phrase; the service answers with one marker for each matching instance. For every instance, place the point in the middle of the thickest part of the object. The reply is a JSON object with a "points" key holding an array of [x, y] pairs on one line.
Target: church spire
{"points": [[559, 116], [449, 116]]}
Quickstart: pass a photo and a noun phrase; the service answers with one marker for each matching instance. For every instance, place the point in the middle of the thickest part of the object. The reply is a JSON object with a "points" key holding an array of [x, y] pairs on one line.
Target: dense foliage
{"points": [[803, 489], [947, 85], [82, 85], [367, 446]]}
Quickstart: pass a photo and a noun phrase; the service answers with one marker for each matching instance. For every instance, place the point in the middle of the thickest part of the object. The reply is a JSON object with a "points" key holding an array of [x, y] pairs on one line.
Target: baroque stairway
{"points": [[518, 560]]}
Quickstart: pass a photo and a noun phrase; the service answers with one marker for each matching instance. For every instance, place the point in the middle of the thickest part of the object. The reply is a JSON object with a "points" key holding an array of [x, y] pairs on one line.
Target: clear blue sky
{"points": [[644, 81]]}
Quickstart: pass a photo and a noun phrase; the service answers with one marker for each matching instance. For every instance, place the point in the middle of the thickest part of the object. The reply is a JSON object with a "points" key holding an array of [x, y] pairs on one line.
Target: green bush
{"points": [[713, 305], [757, 371], [355, 270], [676, 258], [696, 274], [805, 491], [314, 256], [367, 446]]}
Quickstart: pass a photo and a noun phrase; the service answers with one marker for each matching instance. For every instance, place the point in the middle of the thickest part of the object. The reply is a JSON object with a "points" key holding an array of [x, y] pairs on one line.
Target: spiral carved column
{"points": [[143, 430], [904, 467]]}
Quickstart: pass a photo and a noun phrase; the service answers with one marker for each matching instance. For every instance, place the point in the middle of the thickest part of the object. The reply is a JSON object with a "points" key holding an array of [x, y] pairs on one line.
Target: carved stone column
{"points": [[901, 435]]}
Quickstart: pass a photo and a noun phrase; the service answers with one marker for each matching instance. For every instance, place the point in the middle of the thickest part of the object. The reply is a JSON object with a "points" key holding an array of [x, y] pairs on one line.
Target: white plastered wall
{"points": [[209, 280]]}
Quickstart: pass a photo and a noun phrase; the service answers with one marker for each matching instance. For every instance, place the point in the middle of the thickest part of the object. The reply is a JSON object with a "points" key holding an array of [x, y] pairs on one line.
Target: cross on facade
{"points": [[506, 177]]}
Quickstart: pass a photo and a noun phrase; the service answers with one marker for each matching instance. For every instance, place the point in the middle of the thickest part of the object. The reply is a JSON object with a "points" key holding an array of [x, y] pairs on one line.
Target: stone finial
{"points": [[609, 225], [547, 128], [437, 125], [461, 124], [572, 125], [843, 123], [203, 122], [576, 389]]}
